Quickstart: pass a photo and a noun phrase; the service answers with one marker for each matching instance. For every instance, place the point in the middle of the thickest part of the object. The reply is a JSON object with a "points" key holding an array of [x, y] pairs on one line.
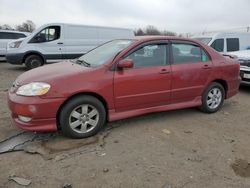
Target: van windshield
{"points": [[204, 40], [103, 53]]}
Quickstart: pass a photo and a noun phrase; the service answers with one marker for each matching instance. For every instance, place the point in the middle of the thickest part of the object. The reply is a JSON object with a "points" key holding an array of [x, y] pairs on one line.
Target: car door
{"points": [[148, 83], [49, 42], [191, 70]]}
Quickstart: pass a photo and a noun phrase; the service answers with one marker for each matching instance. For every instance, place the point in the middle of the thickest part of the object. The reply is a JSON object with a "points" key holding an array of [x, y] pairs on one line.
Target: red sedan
{"points": [[121, 79]]}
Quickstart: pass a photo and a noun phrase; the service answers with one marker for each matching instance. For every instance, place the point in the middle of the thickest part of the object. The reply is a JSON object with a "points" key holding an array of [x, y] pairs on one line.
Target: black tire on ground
{"points": [[74, 103], [33, 61], [205, 107]]}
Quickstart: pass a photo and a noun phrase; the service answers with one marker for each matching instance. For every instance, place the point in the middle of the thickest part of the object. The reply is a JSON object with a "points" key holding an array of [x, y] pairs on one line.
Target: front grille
{"points": [[245, 63]]}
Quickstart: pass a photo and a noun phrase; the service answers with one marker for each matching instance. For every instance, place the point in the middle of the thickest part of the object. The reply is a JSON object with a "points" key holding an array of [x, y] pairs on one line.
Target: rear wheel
{"points": [[213, 98], [33, 61], [82, 116]]}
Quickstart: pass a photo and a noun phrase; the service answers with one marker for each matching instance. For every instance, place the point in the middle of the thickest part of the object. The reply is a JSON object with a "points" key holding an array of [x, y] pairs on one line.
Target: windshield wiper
{"points": [[82, 62]]}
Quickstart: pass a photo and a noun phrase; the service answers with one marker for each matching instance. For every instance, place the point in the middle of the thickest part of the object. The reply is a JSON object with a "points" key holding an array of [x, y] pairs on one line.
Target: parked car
{"points": [[226, 41], [54, 42], [5, 37], [244, 59], [121, 79]]}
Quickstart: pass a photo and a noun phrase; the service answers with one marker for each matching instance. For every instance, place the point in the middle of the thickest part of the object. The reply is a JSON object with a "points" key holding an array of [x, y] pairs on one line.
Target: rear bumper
{"points": [[41, 111], [233, 87], [16, 59]]}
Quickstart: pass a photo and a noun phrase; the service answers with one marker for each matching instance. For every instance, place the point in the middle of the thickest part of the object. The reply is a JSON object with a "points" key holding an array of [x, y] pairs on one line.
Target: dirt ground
{"points": [[183, 148]]}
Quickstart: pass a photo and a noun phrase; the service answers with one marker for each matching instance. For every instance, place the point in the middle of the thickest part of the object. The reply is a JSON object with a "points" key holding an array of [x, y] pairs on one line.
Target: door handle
{"points": [[206, 67], [164, 71], [60, 43]]}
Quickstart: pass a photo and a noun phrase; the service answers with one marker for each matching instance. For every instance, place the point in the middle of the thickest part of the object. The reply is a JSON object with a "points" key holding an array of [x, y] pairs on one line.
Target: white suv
{"points": [[6, 36]]}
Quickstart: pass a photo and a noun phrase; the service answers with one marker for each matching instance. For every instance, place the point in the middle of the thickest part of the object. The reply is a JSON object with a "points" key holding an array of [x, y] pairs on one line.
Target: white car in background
{"points": [[7, 36], [244, 59]]}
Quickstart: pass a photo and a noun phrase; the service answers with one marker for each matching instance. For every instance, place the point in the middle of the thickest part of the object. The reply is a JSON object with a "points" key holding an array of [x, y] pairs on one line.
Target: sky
{"points": [[180, 16]]}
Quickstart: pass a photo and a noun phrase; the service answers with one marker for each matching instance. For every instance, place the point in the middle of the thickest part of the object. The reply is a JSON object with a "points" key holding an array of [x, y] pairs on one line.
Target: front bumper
{"points": [[42, 111], [243, 71], [16, 59]]}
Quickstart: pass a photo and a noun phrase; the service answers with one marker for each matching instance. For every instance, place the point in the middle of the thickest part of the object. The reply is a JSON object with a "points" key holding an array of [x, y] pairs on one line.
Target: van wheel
{"points": [[213, 98], [33, 61], [82, 116]]}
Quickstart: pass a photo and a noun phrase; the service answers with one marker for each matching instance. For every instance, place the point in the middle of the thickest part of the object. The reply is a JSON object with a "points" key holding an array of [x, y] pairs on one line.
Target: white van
{"points": [[5, 37], [57, 41], [226, 41]]}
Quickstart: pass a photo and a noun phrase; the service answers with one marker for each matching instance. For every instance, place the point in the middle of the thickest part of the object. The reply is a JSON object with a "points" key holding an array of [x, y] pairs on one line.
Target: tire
{"points": [[211, 102], [33, 61], [77, 118]]}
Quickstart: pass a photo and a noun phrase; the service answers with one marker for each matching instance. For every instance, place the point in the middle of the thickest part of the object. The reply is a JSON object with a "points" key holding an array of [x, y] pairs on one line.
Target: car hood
{"points": [[242, 55], [51, 73]]}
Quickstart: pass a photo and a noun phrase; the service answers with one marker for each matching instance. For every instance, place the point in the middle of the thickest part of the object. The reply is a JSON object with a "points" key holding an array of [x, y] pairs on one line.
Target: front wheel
{"points": [[82, 116], [213, 98], [33, 61]]}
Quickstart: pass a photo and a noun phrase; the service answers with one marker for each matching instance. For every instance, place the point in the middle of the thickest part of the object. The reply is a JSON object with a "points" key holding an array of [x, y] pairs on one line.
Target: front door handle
{"points": [[164, 71], [60, 43], [206, 66]]}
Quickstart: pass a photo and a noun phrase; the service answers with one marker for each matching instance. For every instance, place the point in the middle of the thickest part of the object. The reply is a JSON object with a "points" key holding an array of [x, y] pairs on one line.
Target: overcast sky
{"points": [[180, 16]]}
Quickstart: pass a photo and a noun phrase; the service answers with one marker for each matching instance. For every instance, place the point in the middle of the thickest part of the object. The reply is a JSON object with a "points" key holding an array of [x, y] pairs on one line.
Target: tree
{"points": [[152, 30], [139, 32], [27, 26], [168, 33], [6, 27]]}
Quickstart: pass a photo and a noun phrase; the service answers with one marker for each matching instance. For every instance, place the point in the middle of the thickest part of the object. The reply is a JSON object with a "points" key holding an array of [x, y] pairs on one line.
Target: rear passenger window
{"points": [[18, 35], [188, 53], [233, 44], [5, 35], [150, 55], [218, 45]]}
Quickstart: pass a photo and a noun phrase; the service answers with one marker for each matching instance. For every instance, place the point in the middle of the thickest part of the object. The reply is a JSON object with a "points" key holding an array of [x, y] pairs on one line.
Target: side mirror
{"points": [[126, 63]]}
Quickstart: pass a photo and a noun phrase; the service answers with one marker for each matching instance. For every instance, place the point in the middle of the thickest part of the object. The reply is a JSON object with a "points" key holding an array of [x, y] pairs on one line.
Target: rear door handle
{"points": [[60, 43], [206, 67], [164, 71]]}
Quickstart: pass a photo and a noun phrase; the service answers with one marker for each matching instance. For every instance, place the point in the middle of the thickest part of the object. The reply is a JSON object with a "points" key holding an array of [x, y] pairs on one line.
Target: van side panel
{"points": [[106, 34], [78, 40]]}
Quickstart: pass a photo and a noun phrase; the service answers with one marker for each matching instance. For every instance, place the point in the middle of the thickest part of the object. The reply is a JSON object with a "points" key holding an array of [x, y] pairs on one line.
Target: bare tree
{"points": [[139, 32], [27, 26], [152, 30], [6, 27], [168, 33]]}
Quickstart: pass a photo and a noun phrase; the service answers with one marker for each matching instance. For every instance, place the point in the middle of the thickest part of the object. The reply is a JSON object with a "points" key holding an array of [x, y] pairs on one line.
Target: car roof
{"points": [[157, 37]]}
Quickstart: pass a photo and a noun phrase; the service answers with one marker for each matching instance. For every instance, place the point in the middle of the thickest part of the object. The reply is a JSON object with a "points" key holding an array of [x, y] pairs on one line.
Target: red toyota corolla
{"points": [[121, 79]]}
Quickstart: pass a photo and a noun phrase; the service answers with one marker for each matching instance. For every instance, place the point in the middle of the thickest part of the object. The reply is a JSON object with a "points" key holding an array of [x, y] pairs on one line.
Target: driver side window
{"points": [[149, 55], [48, 34]]}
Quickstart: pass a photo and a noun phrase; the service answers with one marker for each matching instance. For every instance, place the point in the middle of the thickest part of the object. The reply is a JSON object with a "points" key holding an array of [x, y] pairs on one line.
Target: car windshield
{"points": [[204, 40], [103, 53]]}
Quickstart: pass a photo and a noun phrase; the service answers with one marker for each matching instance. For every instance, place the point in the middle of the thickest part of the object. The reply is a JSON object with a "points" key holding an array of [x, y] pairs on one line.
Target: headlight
{"points": [[33, 89], [15, 44]]}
